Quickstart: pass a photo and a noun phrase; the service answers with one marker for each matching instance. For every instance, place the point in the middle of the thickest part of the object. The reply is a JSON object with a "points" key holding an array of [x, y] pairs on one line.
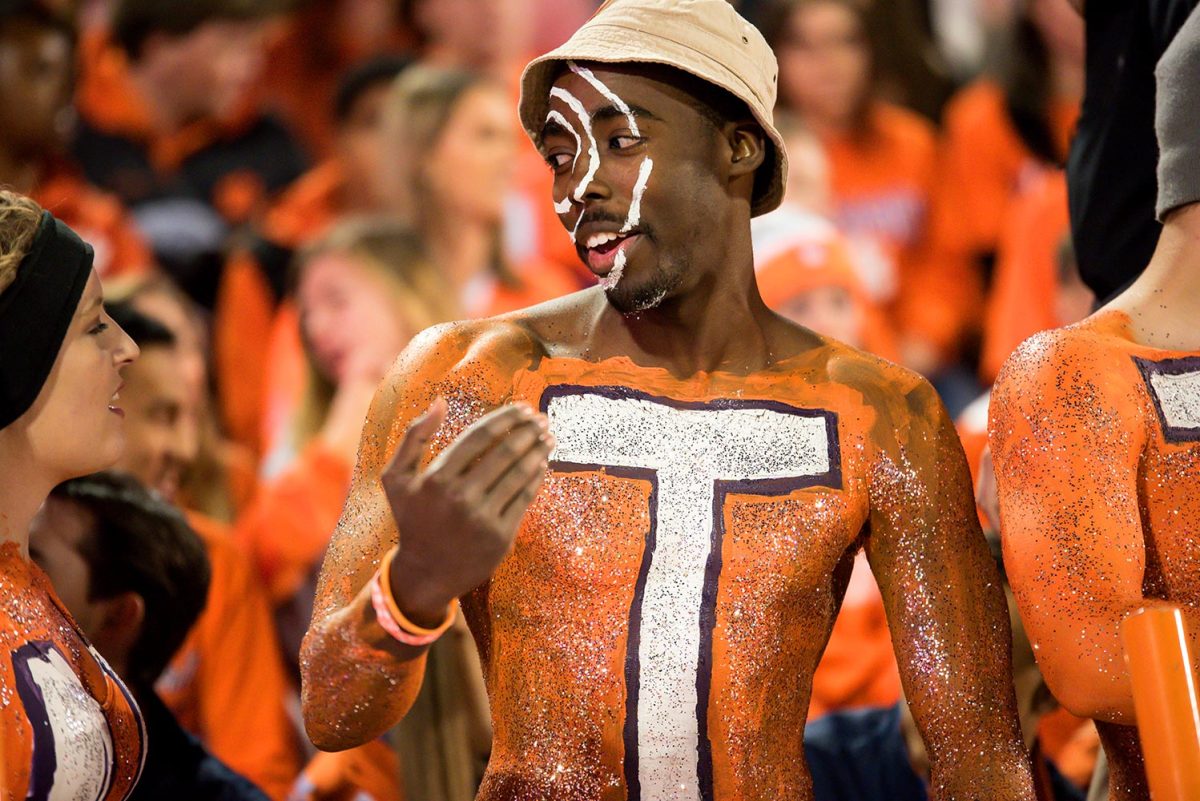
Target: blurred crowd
{"points": [[281, 193]]}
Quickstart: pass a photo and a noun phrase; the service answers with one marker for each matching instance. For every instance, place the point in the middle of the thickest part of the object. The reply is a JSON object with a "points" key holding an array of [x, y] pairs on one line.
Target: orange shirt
{"points": [[287, 527], [1096, 441], [882, 183], [244, 319], [99, 219], [1022, 300], [226, 684], [654, 631], [985, 164], [68, 727]]}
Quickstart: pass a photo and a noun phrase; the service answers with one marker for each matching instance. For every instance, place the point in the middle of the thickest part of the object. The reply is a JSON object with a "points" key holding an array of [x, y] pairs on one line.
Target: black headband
{"points": [[36, 311]]}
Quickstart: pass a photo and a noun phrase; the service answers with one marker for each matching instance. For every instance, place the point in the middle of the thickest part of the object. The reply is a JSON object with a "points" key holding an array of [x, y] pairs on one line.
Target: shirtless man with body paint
{"points": [[652, 561], [1095, 437]]}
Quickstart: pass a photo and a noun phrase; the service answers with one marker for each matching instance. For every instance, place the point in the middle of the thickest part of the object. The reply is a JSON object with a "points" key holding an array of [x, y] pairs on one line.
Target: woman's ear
{"points": [[748, 149]]}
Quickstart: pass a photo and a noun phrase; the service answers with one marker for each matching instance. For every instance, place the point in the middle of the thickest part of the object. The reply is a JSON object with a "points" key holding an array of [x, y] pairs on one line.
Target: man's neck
{"points": [[1163, 304], [724, 326]]}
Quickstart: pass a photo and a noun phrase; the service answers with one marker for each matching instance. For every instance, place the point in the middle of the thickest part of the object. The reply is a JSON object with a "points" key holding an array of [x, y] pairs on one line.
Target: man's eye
{"points": [[558, 160], [624, 142]]}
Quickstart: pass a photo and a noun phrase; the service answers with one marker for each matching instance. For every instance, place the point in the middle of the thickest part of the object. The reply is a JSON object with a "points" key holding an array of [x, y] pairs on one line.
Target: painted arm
{"points": [[1066, 439], [458, 516], [944, 604]]}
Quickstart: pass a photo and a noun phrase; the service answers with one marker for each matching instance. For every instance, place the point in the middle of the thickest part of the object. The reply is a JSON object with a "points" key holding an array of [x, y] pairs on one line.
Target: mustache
{"points": [[601, 216]]}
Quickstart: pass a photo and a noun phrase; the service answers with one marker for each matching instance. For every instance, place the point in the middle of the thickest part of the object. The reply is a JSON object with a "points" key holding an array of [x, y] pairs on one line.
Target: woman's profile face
{"points": [[470, 169], [75, 427], [824, 62]]}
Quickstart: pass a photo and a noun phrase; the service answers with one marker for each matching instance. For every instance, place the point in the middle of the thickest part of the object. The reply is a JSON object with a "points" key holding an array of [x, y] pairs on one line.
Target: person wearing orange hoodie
{"points": [[362, 292], [226, 684], [36, 79], [168, 124]]}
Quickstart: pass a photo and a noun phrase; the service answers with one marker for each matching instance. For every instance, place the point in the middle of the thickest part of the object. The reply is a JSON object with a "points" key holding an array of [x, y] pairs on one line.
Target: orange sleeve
{"points": [[1066, 439], [240, 682], [1026, 283], [940, 291], [372, 769], [945, 607], [242, 322], [287, 527]]}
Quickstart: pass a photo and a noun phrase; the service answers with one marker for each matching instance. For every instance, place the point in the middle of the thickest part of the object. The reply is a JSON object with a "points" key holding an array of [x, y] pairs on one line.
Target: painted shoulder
{"points": [[1087, 349], [496, 347], [883, 385]]}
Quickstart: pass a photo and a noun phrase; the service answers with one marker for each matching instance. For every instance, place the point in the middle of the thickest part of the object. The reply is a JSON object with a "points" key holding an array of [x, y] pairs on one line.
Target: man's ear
{"points": [[748, 148], [119, 626]]}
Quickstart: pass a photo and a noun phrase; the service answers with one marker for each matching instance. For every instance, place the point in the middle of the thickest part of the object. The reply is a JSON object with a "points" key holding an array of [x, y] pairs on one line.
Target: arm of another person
{"points": [[944, 603], [458, 517], [1066, 441]]}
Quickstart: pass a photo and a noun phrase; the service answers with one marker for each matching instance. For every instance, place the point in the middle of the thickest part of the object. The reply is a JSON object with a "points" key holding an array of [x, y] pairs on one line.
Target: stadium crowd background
{"points": [[280, 194]]}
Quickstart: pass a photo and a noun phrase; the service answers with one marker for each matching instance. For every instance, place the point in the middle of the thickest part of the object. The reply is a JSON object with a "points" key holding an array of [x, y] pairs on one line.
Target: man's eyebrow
{"points": [[552, 128], [610, 112]]}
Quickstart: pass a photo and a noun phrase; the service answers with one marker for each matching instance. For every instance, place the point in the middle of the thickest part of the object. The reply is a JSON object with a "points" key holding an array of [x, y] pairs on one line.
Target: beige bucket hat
{"points": [[706, 38]]}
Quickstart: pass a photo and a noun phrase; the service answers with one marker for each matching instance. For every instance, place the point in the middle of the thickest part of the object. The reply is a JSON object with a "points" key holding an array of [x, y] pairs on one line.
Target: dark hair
{"points": [[774, 21], [39, 13], [139, 543], [134, 21], [142, 329], [362, 79]]}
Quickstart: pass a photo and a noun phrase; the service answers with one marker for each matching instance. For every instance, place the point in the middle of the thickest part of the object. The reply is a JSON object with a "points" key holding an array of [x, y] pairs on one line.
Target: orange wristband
{"points": [[387, 611]]}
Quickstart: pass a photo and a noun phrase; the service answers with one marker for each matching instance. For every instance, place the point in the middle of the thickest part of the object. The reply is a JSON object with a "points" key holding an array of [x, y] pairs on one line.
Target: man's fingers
{"points": [[477, 439], [505, 453], [525, 476], [407, 458], [512, 514]]}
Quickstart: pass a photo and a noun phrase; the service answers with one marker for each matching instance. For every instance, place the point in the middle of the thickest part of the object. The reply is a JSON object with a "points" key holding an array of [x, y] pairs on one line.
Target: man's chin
{"points": [[635, 300]]}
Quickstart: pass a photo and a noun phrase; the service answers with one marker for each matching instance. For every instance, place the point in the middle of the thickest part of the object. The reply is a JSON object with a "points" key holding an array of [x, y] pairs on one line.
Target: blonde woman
{"points": [[450, 172], [68, 727]]}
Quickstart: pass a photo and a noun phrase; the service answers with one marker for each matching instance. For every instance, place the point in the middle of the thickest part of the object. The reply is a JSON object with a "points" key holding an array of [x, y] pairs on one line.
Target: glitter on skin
{"points": [[555, 660], [1097, 463]]}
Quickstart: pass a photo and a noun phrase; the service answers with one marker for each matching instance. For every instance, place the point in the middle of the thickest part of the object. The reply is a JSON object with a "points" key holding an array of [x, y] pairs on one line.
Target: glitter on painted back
{"points": [[71, 729], [1096, 442], [654, 632]]}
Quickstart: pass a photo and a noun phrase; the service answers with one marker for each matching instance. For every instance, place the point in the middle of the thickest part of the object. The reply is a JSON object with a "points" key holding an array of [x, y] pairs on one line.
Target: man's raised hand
{"points": [[457, 519]]}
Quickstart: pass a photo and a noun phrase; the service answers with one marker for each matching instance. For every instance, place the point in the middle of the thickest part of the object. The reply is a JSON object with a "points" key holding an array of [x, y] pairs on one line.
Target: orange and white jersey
{"points": [[68, 727]]}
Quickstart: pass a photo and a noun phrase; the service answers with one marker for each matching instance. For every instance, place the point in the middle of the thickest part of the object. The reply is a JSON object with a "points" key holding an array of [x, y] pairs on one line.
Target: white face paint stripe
{"points": [[593, 148], [563, 206], [586, 74], [614, 275], [565, 123], [639, 189]]}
